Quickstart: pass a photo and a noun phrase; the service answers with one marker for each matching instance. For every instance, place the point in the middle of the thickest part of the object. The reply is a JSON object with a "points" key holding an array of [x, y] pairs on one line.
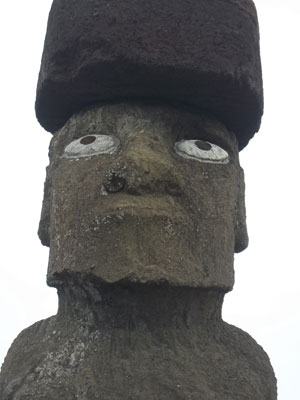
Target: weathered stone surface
{"points": [[136, 343], [204, 53], [143, 213], [144, 203]]}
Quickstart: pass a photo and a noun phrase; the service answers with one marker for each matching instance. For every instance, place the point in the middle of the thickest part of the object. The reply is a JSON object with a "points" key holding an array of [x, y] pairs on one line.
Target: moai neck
{"points": [[139, 307]]}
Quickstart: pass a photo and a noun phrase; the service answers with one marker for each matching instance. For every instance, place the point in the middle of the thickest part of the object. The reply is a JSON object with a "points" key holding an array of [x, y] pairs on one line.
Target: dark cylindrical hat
{"points": [[202, 53]]}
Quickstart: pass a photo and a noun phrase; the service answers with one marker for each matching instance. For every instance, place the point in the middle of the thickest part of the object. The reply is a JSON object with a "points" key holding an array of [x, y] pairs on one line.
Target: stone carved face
{"points": [[144, 194]]}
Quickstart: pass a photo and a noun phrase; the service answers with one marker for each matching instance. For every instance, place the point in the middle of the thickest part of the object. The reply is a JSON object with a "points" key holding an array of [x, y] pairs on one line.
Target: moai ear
{"points": [[241, 234], [44, 225]]}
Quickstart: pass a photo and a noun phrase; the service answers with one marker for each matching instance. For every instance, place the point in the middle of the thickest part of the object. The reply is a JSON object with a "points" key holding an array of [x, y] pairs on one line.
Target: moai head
{"points": [[144, 193], [149, 103]]}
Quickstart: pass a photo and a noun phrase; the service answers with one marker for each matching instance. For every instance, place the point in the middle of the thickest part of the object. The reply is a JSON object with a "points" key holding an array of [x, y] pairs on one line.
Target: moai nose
{"points": [[139, 177]]}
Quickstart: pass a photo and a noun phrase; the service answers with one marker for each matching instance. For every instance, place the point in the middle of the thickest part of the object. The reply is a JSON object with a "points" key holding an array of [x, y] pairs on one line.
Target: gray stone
{"points": [[144, 204], [136, 343], [141, 253], [144, 213], [202, 53]]}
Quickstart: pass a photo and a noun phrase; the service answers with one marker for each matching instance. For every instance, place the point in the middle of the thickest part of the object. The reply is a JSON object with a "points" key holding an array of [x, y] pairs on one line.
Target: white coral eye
{"points": [[91, 145], [202, 151]]}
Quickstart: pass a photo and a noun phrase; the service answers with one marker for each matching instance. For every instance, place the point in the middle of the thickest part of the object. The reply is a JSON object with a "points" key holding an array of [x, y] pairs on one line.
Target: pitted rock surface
{"points": [[144, 213], [144, 203], [204, 53], [136, 343]]}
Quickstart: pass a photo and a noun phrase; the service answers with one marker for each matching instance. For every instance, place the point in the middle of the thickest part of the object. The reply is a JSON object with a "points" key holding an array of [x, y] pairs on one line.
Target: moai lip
{"points": [[203, 53], [144, 193]]}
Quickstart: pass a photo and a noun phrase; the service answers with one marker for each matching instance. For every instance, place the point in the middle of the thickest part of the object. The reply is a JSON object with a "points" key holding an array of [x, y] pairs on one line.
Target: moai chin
{"points": [[149, 104]]}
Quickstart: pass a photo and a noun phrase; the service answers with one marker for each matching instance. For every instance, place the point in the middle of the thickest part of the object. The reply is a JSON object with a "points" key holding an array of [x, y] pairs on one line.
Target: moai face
{"points": [[144, 194]]}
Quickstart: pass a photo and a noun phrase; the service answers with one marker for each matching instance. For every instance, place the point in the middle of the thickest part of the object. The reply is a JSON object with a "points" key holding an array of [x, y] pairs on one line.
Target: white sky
{"points": [[264, 302]]}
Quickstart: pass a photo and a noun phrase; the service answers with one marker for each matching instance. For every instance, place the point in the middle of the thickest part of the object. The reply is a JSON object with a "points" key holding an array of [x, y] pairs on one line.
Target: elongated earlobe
{"points": [[241, 234], [43, 231]]}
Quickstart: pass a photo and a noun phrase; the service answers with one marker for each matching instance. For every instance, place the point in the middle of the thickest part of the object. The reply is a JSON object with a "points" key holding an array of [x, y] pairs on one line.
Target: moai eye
{"points": [[92, 145], [201, 151]]}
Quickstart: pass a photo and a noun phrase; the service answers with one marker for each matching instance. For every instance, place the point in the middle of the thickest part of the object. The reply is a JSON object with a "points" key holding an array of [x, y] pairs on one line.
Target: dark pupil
{"points": [[203, 145], [87, 140]]}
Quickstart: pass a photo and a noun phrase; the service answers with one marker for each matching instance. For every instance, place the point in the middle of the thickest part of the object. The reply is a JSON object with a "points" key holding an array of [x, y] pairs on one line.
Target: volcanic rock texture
{"points": [[136, 343], [204, 53], [142, 238]]}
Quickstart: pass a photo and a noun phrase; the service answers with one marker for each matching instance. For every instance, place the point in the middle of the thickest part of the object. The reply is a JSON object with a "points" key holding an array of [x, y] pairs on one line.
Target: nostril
{"points": [[115, 180], [114, 183], [173, 189]]}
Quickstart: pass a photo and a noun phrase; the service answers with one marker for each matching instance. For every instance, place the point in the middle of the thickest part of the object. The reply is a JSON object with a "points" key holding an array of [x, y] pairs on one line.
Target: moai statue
{"points": [[149, 103]]}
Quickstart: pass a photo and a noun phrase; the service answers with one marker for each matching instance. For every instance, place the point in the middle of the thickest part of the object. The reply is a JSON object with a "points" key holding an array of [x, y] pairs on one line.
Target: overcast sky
{"points": [[265, 300]]}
